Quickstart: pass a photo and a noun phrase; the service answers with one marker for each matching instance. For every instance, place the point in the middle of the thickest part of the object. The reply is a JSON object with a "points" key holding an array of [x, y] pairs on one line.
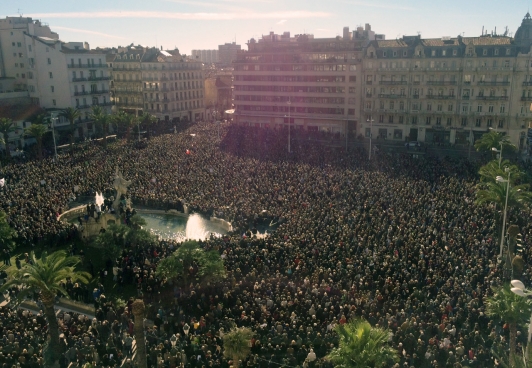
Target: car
{"points": [[413, 144]]}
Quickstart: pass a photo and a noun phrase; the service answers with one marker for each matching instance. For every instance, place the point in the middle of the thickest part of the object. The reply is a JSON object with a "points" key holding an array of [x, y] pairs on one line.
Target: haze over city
{"points": [[189, 25]]}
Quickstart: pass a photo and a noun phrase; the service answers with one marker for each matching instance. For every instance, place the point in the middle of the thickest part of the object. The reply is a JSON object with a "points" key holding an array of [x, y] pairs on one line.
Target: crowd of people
{"points": [[396, 240]]}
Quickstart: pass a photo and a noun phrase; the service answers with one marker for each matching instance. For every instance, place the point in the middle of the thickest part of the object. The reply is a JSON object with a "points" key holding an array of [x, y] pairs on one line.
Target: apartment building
{"points": [[227, 53], [163, 83], [54, 74], [205, 56], [447, 90], [309, 83]]}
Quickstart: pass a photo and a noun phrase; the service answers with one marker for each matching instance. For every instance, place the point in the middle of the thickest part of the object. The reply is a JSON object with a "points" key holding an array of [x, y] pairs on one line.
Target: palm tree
{"points": [[510, 308], [493, 139], [125, 121], [361, 345], [45, 276], [6, 126], [37, 131], [101, 119], [237, 344], [495, 193], [491, 170], [138, 309], [71, 115]]}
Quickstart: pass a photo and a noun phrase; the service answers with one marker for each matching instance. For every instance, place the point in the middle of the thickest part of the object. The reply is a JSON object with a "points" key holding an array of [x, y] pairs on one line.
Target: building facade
{"points": [[55, 75], [205, 56], [162, 83], [438, 91], [227, 53]]}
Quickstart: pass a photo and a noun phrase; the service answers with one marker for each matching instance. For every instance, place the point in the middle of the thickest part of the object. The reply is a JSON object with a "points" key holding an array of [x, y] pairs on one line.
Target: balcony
{"points": [[525, 98], [80, 107], [492, 98], [441, 83], [389, 96], [484, 83], [415, 96], [79, 79], [465, 97], [441, 97], [368, 95], [393, 82], [99, 78], [91, 92], [87, 66], [369, 82]]}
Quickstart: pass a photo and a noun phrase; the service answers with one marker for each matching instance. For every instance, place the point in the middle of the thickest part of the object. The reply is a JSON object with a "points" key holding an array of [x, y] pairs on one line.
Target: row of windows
{"points": [[164, 107], [299, 109], [176, 76], [300, 78], [178, 95], [284, 99], [430, 120], [446, 52], [416, 106], [304, 89], [297, 67], [435, 64]]}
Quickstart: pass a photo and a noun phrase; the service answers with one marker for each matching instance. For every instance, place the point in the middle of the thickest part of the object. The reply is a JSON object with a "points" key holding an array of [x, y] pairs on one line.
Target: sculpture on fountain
{"points": [[120, 185]]}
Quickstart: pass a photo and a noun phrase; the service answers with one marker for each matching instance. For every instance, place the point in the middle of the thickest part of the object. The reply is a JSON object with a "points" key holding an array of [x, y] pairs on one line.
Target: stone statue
{"points": [[120, 184]]}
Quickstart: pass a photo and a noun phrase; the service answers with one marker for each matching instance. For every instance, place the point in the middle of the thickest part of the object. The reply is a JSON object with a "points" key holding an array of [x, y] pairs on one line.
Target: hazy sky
{"points": [[205, 24]]}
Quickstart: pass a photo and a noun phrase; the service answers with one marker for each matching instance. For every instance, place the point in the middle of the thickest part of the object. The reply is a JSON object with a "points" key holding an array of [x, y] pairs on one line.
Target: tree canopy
{"points": [[493, 139], [237, 344], [7, 234]]}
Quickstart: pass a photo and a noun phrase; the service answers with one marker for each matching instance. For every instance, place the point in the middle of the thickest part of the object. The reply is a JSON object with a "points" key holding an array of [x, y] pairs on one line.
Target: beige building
{"points": [[227, 53], [163, 83], [438, 91]]}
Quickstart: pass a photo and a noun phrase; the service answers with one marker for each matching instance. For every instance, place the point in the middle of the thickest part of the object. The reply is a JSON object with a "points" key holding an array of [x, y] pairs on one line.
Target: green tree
{"points": [[493, 139], [137, 222], [37, 131], [148, 120], [101, 119], [71, 115], [491, 170], [237, 344], [6, 126], [45, 276], [124, 123], [495, 193], [190, 262], [510, 308], [361, 345], [7, 234]]}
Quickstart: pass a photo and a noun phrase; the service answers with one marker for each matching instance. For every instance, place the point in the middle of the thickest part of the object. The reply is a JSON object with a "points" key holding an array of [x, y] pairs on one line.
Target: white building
{"points": [[205, 56]]}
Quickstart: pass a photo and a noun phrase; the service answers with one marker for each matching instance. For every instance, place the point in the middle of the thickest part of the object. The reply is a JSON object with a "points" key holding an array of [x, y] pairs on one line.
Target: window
{"points": [[395, 53], [440, 107], [449, 121], [502, 109], [381, 118], [443, 52], [51, 75], [450, 107], [490, 108], [49, 61], [478, 122], [404, 53], [464, 121], [429, 107], [489, 123], [390, 119], [484, 52], [19, 44], [455, 52], [414, 120], [368, 132], [384, 54], [401, 105], [496, 51], [52, 88], [401, 119], [433, 53], [507, 51], [438, 121], [465, 108], [54, 103], [500, 124], [479, 108]]}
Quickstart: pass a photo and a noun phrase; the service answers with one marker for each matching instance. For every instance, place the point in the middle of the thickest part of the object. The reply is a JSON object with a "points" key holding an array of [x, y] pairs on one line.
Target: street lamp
{"points": [[500, 179], [370, 121], [289, 122], [519, 289], [499, 152], [53, 119]]}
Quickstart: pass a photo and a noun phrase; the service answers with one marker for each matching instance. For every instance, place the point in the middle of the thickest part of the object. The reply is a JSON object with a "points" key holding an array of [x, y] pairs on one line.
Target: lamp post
{"points": [[289, 123], [500, 179], [370, 121], [519, 289], [53, 119], [499, 152]]}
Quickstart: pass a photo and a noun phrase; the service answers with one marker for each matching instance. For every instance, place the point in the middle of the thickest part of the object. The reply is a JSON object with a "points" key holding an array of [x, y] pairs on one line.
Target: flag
{"points": [[2, 182]]}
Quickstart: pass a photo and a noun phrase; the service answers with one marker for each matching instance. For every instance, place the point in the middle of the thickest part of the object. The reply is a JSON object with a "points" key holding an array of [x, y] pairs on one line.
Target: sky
{"points": [[205, 24]]}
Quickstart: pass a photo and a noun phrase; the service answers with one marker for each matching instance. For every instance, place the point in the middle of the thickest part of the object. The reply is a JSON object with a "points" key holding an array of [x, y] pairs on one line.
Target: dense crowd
{"points": [[397, 241]]}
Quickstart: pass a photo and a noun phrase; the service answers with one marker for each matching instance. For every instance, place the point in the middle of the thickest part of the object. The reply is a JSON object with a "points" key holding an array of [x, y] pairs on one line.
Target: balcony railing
{"points": [[91, 92], [492, 97], [389, 96], [393, 82], [88, 66], [79, 79], [441, 83], [99, 78], [526, 98], [485, 83], [440, 97]]}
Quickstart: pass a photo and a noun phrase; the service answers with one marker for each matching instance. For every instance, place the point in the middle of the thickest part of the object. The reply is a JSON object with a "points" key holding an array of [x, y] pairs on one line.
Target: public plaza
{"points": [[396, 240]]}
